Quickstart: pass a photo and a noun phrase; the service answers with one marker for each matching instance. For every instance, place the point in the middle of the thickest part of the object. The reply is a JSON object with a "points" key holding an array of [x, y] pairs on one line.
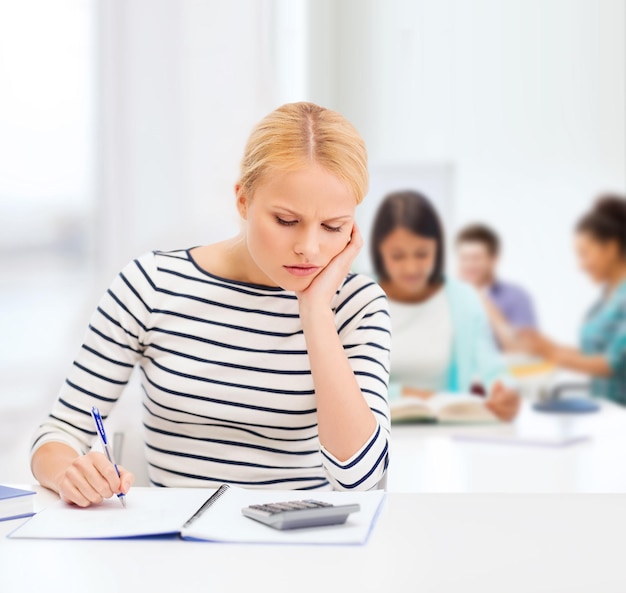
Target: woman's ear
{"points": [[242, 201]]}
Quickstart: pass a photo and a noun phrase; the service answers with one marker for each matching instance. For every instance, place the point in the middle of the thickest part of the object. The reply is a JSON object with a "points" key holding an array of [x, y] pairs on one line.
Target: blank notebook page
{"points": [[149, 511]]}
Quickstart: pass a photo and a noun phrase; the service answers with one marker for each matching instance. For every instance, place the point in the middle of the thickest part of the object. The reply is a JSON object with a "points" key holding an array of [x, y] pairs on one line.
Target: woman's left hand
{"points": [[324, 286], [503, 401]]}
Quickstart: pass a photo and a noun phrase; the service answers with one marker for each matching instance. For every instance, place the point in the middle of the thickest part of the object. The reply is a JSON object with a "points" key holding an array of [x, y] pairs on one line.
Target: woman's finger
{"points": [[75, 479], [72, 495], [100, 464], [127, 479], [346, 256]]}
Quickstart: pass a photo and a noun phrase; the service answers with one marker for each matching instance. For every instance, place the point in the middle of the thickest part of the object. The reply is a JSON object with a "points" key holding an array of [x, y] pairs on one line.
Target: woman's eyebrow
{"points": [[342, 217], [329, 219]]}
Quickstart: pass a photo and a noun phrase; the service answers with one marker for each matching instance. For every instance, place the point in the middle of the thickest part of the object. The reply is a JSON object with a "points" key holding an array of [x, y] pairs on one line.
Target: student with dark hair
{"points": [[441, 340], [601, 249], [508, 306]]}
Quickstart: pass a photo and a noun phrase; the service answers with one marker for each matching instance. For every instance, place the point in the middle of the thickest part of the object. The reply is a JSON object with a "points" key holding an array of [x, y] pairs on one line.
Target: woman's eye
{"points": [[332, 229], [280, 220]]}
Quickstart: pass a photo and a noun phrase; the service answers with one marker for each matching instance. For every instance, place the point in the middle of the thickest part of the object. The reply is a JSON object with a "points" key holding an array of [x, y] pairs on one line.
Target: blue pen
{"points": [[105, 445]]}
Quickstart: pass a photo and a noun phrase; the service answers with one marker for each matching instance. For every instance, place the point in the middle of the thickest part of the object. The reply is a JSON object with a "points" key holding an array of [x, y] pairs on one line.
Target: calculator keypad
{"points": [[295, 505]]}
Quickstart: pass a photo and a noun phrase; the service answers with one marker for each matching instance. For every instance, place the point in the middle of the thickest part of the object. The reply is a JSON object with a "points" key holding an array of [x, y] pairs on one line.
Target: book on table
{"points": [[15, 503], [196, 513], [442, 407]]}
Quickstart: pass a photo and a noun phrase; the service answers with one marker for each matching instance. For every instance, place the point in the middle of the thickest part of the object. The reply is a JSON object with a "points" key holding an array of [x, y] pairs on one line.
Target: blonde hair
{"points": [[300, 133]]}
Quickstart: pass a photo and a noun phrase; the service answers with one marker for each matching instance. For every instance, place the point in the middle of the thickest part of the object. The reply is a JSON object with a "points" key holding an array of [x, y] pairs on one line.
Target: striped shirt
{"points": [[227, 390]]}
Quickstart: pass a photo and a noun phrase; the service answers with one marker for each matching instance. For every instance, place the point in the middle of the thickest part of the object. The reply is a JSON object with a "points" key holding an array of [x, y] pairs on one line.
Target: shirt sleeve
{"points": [[616, 351], [364, 327], [113, 343], [521, 312]]}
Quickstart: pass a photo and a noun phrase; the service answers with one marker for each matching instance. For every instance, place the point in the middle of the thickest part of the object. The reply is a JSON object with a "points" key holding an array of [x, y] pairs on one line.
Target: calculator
{"points": [[299, 513]]}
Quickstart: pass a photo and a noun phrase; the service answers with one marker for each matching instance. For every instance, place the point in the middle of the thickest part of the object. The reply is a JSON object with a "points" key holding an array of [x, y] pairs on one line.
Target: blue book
{"points": [[15, 503]]}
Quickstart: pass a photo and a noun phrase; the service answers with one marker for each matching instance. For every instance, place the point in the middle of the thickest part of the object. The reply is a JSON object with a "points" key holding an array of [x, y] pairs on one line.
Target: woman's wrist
{"points": [[552, 353], [314, 312]]}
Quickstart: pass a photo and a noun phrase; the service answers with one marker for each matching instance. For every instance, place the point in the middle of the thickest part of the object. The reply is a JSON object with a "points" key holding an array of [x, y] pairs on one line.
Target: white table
{"points": [[482, 543], [426, 458]]}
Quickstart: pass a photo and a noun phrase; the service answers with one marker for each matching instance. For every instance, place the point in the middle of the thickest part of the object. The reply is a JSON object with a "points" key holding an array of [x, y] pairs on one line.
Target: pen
{"points": [[105, 445]]}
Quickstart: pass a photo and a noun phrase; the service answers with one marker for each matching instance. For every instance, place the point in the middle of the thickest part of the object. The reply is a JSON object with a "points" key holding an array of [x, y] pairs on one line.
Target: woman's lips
{"points": [[304, 270], [417, 279]]}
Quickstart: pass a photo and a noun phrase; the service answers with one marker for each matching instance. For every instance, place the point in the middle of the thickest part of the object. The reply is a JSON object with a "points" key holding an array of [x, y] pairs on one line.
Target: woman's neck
{"points": [[231, 259], [396, 293], [616, 276]]}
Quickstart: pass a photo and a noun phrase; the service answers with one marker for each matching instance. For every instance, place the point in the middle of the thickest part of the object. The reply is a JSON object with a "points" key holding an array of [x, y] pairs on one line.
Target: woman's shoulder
{"points": [[357, 291], [154, 268], [149, 262], [459, 287]]}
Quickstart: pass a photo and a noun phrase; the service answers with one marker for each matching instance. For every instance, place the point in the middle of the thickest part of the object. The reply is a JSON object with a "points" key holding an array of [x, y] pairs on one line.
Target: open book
{"points": [[195, 513], [441, 407]]}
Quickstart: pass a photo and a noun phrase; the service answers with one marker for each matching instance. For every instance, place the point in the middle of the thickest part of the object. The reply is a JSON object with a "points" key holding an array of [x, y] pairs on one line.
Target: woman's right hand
{"points": [[503, 401], [91, 478]]}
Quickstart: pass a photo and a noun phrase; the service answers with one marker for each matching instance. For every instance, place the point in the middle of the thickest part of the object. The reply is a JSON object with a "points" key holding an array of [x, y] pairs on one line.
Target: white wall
{"points": [[181, 85], [525, 98], [522, 99]]}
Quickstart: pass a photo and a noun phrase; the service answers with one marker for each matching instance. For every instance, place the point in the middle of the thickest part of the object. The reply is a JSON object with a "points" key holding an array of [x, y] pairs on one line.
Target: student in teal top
{"points": [[441, 339], [601, 249]]}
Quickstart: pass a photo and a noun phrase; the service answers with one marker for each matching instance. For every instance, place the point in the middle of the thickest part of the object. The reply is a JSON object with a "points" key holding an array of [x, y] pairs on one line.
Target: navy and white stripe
{"points": [[227, 389]]}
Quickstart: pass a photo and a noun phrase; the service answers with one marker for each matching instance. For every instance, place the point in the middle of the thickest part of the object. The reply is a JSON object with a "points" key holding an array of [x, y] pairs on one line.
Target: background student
{"points": [[601, 249], [441, 340], [264, 362], [509, 307]]}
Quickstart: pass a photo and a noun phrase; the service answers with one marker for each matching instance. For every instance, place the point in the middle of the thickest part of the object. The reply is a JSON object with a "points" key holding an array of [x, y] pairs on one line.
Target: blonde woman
{"points": [[264, 362]]}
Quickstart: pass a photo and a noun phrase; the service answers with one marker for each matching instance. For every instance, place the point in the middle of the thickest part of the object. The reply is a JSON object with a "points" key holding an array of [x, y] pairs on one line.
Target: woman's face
{"points": [[296, 223], [409, 260], [596, 258]]}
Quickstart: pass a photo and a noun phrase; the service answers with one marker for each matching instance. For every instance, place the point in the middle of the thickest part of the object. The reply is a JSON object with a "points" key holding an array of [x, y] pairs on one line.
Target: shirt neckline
{"points": [[229, 280], [439, 293]]}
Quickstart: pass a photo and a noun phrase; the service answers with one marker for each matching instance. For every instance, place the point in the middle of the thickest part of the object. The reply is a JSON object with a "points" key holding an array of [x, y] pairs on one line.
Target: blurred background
{"points": [[122, 123]]}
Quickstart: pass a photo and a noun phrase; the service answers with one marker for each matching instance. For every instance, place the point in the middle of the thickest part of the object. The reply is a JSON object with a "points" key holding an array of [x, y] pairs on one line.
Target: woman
{"points": [[601, 248], [441, 335], [263, 361]]}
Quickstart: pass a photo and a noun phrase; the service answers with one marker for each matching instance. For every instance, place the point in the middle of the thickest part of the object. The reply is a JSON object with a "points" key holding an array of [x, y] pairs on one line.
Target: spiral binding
{"points": [[208, 504]]}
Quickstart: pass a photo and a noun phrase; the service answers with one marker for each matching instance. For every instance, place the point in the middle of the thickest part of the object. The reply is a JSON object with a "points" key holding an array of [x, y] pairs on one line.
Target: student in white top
{"points": [[441, 336], [264, 362]]}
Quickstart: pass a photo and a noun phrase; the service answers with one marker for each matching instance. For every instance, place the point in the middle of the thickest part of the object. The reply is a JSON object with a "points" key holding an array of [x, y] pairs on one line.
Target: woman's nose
{"points": [[307, 244]]}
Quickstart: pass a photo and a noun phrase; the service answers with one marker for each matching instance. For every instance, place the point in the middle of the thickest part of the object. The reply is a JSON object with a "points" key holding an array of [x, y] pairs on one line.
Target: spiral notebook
{"points": [[199, 514]]}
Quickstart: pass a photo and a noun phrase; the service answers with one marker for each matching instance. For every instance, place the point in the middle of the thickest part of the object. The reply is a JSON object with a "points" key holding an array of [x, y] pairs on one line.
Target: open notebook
{"points": [[441, 407], [167, 511]]}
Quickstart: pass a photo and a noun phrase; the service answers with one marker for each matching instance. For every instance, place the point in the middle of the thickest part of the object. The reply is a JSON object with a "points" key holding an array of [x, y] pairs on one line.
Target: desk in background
{"points": [[426, 458]]}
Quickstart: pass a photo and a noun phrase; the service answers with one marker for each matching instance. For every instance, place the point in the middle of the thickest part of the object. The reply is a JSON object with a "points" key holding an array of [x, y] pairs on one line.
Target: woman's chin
{"points": [[296, 284]]}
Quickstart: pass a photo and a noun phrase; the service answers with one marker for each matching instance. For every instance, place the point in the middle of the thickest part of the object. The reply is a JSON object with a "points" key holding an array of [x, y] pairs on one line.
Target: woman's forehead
{"points": [[402, 235], [308, 191]]}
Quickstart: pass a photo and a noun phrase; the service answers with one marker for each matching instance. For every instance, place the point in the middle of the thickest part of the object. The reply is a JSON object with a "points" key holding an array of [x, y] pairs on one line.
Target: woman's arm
{"points": [[570, 358], [575, 360], [345, 421], [112, 345]]}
